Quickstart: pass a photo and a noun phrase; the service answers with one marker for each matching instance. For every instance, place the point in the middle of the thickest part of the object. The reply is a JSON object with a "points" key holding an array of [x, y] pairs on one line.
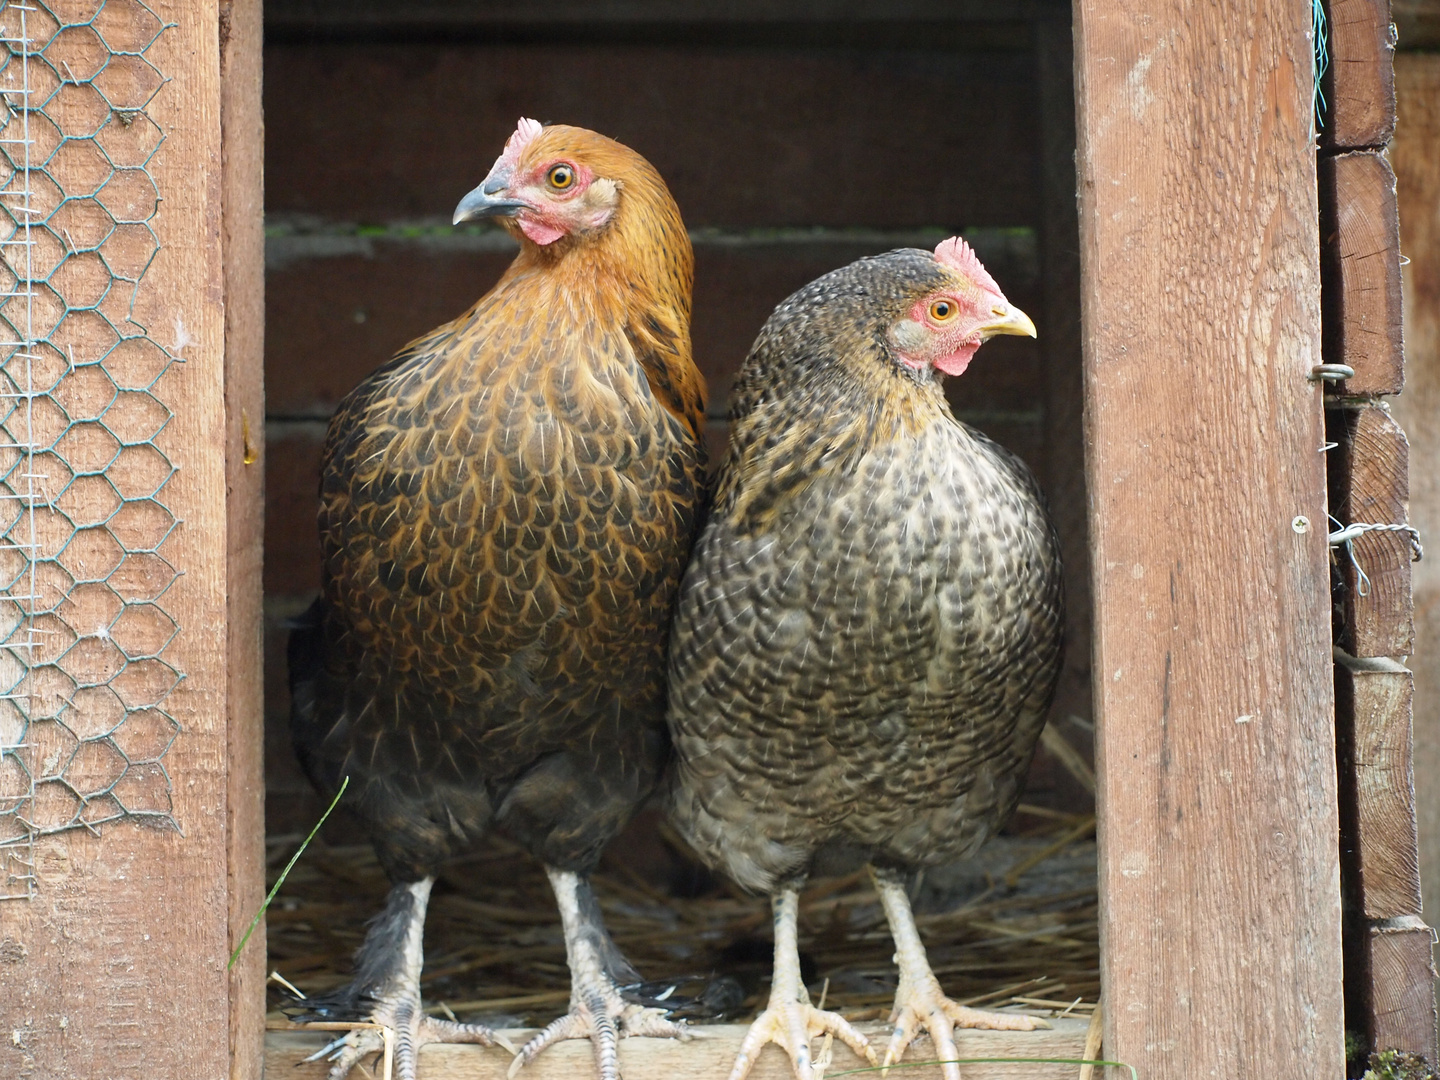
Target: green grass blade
{"points": [[286, 872]]}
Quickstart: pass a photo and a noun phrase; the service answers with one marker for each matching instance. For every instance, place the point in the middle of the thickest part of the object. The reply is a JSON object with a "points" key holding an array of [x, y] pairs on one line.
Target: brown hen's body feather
{"points": [[507, 507]]}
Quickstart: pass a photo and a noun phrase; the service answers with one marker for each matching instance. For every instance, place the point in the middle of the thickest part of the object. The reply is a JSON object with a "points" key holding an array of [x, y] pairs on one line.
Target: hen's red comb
{"points": [[525, 132], [958, 255]]}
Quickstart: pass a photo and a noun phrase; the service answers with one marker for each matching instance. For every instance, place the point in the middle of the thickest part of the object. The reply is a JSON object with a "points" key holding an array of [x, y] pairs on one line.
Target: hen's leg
{"points": [[386, 991], [919, 999], [789, 1019], [597, 1011]]}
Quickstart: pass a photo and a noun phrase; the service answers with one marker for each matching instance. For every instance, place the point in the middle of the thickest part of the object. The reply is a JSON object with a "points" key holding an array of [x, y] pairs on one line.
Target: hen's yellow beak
{"points": [[1008, 319]]}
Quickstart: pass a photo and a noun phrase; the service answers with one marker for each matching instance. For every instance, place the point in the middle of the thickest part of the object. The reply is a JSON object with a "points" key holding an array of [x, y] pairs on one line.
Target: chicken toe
{"points": [[789, 1020], [598, 1011], [386, 993], [919, 1000]]}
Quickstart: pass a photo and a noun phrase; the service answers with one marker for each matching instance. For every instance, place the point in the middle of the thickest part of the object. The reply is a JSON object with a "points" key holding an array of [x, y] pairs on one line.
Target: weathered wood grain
{"points": [[1377, 822], [1416, 157], [242, 148], [1360, 269], [1220, 908], [1359, 84], [1369, 483], [122, 952], [709, 1055], [1401, 1009]]}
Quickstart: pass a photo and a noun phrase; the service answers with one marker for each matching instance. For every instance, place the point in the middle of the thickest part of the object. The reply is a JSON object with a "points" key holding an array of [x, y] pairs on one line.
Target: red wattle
{"points": [[538, 231], [956, 362]]}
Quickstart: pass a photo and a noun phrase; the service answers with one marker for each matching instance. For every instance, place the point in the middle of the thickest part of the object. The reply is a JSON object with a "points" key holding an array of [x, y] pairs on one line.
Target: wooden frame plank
{"points": [[242, 151], [708, 1056], [1369, 484], [1400, 1009], [1377, 823], [121, 955], [1359, 84], [1220, 907], [493, 14], [1360, 261]]}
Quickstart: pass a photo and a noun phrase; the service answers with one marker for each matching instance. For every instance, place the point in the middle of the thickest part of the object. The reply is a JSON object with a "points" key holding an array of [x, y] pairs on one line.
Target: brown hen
{"points": [[506, 510]]}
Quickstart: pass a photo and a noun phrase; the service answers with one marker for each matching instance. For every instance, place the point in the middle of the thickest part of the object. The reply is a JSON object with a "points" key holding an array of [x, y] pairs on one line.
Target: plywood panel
{"points": [[1220, 906], [335, 318], [749, 137]]}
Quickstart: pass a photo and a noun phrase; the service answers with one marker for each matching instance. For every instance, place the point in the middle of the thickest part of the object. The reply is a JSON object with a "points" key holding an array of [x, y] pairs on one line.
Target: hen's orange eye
{"points": [[560, 177], [943, 310]]}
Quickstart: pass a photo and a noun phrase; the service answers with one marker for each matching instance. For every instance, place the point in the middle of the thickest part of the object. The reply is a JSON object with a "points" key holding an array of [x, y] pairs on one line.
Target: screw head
{"points": [[1301, 524]]}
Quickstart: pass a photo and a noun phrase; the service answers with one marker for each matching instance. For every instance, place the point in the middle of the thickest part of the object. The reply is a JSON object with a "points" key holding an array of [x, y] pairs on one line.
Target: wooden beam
{"points": [[708, 1056], [1360, 263], [242, 149], [1220, 911], [1359, 83], [1377, 822], [1416, 156], [1400, 1009], [1369, 484]]}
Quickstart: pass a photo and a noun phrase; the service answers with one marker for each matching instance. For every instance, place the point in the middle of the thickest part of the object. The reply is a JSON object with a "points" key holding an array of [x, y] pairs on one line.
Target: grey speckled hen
{"points": [[869, 633]]}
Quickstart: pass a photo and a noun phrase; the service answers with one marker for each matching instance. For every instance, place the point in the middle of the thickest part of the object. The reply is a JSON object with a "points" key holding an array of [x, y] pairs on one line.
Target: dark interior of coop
{"points": [[795, 138]]}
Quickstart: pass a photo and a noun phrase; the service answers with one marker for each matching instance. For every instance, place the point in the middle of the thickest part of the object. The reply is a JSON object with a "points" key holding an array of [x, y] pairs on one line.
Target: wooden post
{"points": [[1219, 879], [117, 966], [242, 146]]}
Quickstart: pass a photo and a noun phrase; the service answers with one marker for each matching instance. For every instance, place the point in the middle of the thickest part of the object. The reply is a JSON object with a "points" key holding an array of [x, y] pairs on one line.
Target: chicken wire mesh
{"points": [[84, 726]]}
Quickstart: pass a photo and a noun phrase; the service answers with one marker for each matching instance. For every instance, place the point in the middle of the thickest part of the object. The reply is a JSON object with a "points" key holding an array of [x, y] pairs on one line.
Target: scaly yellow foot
{"points": [[919, 1000], [789, 1019]]}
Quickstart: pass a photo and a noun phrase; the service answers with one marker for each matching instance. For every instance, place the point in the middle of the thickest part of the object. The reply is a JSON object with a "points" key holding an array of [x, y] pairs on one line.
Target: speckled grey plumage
{"points": [[869, 633]]}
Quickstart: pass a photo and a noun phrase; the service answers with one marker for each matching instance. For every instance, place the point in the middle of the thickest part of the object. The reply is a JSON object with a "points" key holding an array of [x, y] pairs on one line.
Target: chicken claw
{"points": [[413, 1029], [597, 1010], [919, 1001], [389, 981], [789, 1020]]}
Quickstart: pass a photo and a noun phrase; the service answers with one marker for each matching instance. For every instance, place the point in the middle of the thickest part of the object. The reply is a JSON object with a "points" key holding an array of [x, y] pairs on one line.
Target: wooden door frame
{"points": [[1219, 871]]}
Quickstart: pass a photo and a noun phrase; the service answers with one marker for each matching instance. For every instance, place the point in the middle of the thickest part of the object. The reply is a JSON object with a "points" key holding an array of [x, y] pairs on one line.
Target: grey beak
{"points": [[482, 203]]}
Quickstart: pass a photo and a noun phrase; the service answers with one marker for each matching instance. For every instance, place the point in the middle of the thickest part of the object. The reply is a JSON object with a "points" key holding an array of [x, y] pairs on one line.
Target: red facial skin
{"points": [[948, 344], [551, 213]]}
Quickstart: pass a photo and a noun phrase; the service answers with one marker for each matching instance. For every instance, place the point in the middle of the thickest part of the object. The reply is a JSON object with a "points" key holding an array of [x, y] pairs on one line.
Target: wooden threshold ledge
{"points": [[709, 1054]]}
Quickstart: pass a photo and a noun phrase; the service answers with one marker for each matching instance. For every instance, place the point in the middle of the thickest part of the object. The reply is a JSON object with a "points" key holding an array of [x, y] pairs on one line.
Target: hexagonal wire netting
{"points": [[83, 680]]}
